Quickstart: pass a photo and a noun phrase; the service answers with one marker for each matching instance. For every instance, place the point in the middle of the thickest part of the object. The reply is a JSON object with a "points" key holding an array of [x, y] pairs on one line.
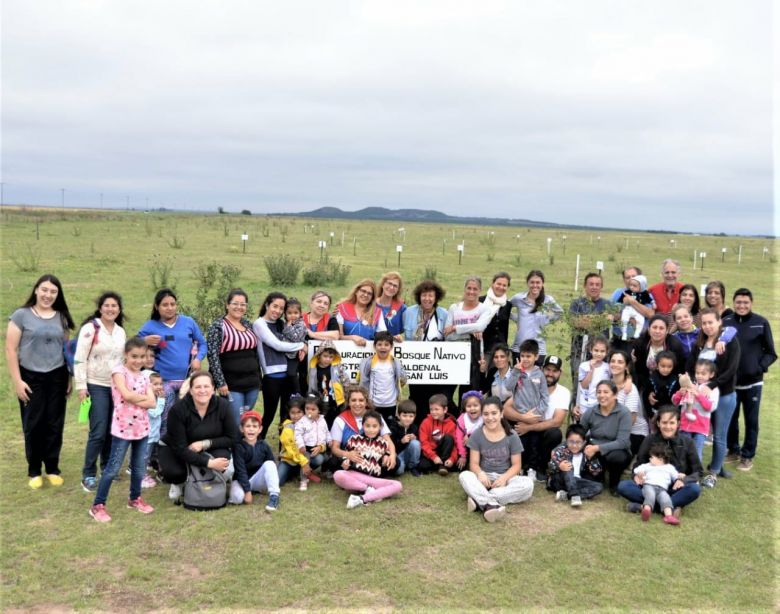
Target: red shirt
{"points": [[665, 299]]}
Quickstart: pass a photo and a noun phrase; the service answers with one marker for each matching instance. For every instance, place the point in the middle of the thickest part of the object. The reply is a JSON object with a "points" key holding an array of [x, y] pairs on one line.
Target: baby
{"points": [[657, 476], [637, 289]]}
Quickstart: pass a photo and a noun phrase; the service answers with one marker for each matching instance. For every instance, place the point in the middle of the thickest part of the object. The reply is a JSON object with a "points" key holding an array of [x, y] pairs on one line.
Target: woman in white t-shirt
{"points": [[628, 395]]}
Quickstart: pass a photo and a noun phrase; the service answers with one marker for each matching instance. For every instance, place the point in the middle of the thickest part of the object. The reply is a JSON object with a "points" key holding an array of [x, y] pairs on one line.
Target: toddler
{"points": [[255, 469], [437, 438], [470, 420], [637, 288], [663, 381], [570, 473], [382, 375], [405, 435], [133, 396], [294, 332], [291, 460], [328, 377], [698, 401], [657, 476], [590, 373], [155, 420], [312, 437], [362, 465]]}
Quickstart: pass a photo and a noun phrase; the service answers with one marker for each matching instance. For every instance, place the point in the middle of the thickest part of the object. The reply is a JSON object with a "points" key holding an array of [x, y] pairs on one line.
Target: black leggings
{"points": [[615, 463], [43, 419], [275, 389], [444, 449]]}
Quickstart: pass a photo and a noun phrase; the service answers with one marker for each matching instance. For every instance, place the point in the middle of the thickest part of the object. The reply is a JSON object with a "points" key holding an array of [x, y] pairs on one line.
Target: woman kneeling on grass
{"points": [[493, 480]]}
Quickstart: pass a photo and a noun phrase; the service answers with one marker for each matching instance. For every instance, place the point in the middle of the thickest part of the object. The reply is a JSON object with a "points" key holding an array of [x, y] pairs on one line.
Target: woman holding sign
{"points": [[358, 315], [424, 321]]}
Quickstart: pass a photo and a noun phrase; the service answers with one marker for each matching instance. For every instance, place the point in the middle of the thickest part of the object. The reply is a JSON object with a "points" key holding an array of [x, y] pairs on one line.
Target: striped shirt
{"points": [[234, 339]]}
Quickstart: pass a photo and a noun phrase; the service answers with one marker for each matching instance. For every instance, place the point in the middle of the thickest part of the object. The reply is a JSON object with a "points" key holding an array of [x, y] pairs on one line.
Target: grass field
{"points": [[418, 552]]}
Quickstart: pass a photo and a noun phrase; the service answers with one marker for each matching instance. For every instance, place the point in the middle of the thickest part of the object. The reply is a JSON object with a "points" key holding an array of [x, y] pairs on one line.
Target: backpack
{"points": [[69, 348], [205, 489]]}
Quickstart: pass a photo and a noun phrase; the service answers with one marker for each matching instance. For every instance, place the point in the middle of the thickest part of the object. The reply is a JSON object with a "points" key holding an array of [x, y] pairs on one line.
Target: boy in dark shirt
{"points": [[663, 382], [255, 469], [405, 435]]}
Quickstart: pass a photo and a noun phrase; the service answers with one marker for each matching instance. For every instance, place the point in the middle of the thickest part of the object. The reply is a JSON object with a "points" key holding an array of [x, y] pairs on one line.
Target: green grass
{"points": [[420, 551]]}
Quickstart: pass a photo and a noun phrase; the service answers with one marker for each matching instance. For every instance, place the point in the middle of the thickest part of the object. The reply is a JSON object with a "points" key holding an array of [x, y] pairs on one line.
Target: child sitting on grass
{"points": [[133, 396], [470, 420], [657, 476], [362, 465], [437, 438], [291, 460], [405, 435], [571, 474], [312, 438], [255, 469]]}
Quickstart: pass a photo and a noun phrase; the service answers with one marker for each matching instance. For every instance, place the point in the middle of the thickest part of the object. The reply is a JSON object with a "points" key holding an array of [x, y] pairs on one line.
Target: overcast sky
{"points": [[646, 115]]}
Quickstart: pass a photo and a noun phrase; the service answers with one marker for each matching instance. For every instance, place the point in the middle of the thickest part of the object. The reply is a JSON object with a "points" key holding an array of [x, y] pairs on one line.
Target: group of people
{"points": [[653, 374]]}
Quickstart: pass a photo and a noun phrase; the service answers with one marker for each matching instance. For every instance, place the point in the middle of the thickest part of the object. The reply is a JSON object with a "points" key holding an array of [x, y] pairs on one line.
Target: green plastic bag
{"points": [[84, 408]]}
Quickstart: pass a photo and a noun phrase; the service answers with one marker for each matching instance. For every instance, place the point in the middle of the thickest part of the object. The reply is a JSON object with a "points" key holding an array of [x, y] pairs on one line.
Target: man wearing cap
{"points": [[549, 427]]}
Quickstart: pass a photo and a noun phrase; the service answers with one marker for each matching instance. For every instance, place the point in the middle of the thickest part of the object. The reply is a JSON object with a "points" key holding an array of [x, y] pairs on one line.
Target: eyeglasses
{"points": [[392, 284], [368, 292], [239, 305], [575, 442]]}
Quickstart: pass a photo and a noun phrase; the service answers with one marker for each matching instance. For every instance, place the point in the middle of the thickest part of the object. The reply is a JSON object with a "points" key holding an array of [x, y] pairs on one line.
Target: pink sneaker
{"points": [[672, 520], [99, 513], [148, 482], [141, 505]]}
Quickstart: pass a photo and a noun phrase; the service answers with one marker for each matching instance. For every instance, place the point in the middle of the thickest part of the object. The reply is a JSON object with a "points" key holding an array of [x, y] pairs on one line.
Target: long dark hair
{"points": [[59, 305], [494, 400], [539, 299], [701, 339], [270, 298], [158, 298], [696, 307], [120, 319]]}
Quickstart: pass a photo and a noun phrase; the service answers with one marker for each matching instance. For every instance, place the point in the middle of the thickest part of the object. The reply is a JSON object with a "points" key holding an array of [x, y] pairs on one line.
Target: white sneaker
{"points": [[369, 489], [531, 473], [175, 492], [354, 501], [304, 485], [561, 495], [576, 501], [494, 513]]}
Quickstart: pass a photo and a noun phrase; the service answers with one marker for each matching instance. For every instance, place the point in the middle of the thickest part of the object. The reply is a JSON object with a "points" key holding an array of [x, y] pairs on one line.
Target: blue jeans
{"points": [[137, 467], [242, 401], [721, 420], [750, 400], [99, 439], [686, 495], [286, 471], [409, 457], [698, 441]]}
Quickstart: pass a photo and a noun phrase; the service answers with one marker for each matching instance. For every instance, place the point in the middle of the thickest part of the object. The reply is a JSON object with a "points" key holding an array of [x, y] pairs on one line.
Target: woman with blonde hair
{"points": [[358, 315]]}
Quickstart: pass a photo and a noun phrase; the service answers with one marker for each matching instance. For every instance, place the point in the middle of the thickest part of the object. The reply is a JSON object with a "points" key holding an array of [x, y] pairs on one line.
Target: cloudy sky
{"points": [[646, 115]]}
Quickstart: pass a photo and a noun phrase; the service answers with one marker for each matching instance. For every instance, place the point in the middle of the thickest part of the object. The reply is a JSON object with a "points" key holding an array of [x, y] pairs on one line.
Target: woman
{"points": [[232, 353], [201, 432], [535, 310], [715, 298], [689, 296], [609, 433], [424, 321], [34, 353], [271, 349], [358, 316], [628, 395], [179, 344], [318, 321], [685, 490], [465, 322], [497, 380], [349, 423], [656, 338], [100, 348], [493, 479], [726, 365], [392, 307], [496, 299]]}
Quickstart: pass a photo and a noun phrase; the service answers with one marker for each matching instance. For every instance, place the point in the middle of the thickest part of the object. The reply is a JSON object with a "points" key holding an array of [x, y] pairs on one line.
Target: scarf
{"points": [[429, 332], [493, 302]]}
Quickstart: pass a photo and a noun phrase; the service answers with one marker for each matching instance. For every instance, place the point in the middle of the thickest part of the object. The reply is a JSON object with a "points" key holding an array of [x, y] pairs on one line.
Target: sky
{"points": [[654, 115]]}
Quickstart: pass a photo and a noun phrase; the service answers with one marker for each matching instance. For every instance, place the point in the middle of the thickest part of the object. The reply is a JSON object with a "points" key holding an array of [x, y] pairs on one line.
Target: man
{"points": [[545, 434], [758, 353], [646, 310], [666, 293], [586, 314]]}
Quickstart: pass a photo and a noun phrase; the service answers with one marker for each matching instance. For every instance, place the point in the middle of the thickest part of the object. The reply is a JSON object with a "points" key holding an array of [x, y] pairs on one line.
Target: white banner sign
{"points": [[425, 362]]}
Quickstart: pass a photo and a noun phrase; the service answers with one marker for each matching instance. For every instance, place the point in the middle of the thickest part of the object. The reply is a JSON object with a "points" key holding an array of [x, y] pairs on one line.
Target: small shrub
{"points": [[160, 273], [517, 261], [76, 231], [490, 256], [214, 283], [282, 269], [176, 242], [430, 272], [27, 260], [611, 257], [326, 273]]}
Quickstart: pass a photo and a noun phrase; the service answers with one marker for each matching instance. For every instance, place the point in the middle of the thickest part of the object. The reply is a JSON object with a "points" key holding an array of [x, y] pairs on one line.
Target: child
{"points": [[657, 475], [663, 382], [255, 469], [312, 437], [698, 401], [591, 372], [291, 460], [405, 435], [294, 332], [637, 288], [149, 361], [155, 420], [437, 438], [328, 377], [382, 375], [133, 396], [470, 419], [570, 473], [361, 468]]}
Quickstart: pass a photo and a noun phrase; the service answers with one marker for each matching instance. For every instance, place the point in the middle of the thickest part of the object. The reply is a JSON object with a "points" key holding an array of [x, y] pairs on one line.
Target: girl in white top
{"points": [[628, 395], [100, 348], [535, 310]]}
